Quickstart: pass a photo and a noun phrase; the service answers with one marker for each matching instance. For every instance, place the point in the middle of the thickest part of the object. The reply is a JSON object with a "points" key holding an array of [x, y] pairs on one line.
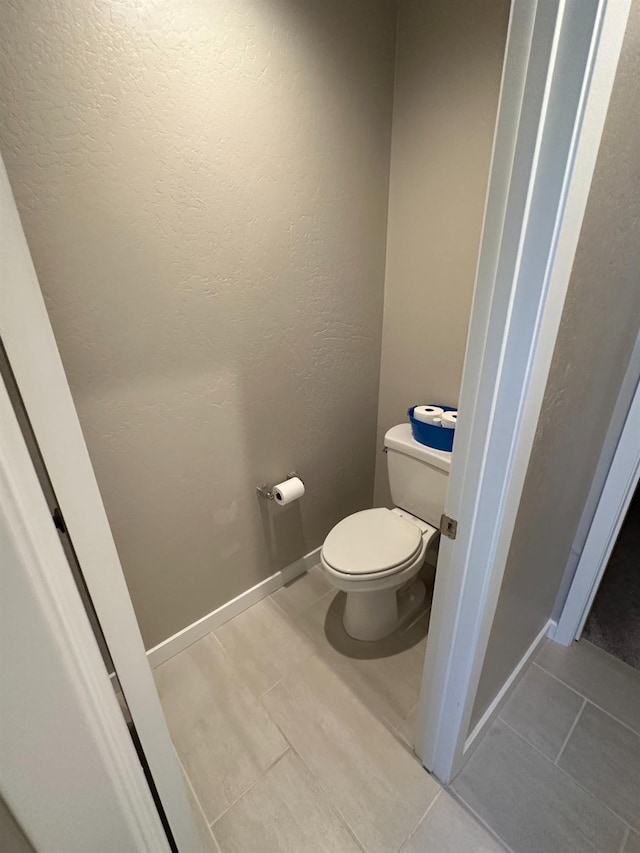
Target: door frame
{"points": [[72, 781], [28, 339], [619, 486], [558, 76]]}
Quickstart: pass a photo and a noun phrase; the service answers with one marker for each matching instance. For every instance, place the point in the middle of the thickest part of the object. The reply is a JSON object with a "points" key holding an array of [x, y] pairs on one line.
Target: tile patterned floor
{"points": [[294, 737], [559, 771]]}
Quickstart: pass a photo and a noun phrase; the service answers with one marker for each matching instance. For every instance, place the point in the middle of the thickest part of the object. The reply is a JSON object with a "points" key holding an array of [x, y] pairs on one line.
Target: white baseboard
{"points": [[503, 694], [199, 629], [553, 627]]}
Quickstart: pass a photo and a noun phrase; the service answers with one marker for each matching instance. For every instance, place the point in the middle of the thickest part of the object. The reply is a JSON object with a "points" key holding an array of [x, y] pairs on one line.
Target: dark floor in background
{"points": [[614, 621]]}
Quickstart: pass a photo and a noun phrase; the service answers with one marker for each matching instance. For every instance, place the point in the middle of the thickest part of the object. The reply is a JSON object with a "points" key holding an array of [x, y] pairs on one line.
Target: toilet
{"points": [[375, 555]]}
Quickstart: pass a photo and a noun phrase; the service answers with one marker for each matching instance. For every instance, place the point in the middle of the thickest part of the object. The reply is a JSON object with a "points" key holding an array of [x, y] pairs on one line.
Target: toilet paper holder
{"points": [[265, 491]]}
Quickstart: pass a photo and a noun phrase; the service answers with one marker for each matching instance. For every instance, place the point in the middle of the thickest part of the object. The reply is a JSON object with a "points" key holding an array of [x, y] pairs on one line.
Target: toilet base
{"points": [[375, 615]]}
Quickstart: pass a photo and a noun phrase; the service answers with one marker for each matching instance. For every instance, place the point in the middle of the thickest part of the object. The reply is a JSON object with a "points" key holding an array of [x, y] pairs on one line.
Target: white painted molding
{"points": [[35, 361], [505, 691], [559, 72], [70, 772], [199, 629]]}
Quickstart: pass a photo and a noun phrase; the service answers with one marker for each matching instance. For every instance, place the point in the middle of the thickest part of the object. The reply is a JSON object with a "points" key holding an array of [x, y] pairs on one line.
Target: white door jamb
{"points": [[559, 72], [31, 348], [69, 773]]}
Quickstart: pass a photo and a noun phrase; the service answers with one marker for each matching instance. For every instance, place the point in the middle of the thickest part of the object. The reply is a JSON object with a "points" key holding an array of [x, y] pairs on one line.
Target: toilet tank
{"points": [[418, 475]]}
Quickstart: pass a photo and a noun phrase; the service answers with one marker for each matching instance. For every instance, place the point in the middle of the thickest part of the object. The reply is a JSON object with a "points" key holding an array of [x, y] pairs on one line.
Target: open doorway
{"points": [[613, 622], [198, 378]]}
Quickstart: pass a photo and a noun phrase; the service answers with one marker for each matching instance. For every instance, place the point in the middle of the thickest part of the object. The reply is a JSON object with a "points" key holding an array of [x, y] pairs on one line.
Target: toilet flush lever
{"points": [[448, 526]]}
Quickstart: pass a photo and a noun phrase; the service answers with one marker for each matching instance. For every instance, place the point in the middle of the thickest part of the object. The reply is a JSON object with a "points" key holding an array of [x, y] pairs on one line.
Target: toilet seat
{"points": [[372, 543]]}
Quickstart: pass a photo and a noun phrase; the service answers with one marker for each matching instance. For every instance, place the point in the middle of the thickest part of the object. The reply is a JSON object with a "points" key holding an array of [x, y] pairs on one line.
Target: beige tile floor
{"points": [[294, 737], [559, 771]]}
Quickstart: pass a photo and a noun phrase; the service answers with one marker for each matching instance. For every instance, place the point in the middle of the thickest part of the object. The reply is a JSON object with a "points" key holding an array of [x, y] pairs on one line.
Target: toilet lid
{"points": [[374, 540]]}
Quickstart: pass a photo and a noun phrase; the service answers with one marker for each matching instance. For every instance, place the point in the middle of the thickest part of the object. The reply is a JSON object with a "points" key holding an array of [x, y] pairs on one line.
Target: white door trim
{"points": [[559, 72], [33, 354], [616, 496], [86, 789]]}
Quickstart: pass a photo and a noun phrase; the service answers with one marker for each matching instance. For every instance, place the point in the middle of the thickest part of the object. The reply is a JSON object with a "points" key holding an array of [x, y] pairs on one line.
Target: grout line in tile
{"points": [[215, 637], [333, 806], [286, 739], [273, 598], [625, 838], [343, 819], [246, 790], [266, 693], [379, 716], [300, 610], [260, 696], [404, 743], [539, 751], [294, 617], [624, 725], [196, 798], [570, 732], [290, 746], [567, 775], [318, 650], [460, 799], [258, 700], [280, 607], [557, 678], [589, 700], [395, 731], [320, 598], [411, 710], [388, 725], [257, 696], [415, 828]]}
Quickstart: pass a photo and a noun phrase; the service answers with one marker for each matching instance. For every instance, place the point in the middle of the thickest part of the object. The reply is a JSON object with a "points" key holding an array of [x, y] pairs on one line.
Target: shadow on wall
{"points": [[204, 191], [283, 526]]}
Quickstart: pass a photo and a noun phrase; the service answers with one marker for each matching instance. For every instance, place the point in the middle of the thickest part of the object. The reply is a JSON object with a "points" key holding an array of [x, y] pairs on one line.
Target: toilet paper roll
{"points": [[449, 420], [289, 491], [428, 414]]}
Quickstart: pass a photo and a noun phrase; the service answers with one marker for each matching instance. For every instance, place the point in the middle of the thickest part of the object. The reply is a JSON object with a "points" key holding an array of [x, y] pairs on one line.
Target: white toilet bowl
{"points": [[374, 556]]}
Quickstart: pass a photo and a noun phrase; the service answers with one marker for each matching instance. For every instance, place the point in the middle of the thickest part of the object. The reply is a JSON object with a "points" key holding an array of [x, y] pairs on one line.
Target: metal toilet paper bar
{"points": [[266, 491]]}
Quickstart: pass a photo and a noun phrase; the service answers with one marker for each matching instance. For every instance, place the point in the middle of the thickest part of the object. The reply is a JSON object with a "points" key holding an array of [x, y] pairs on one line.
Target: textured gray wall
{"points": [[600, 322], [448, 69], [204, 190]]}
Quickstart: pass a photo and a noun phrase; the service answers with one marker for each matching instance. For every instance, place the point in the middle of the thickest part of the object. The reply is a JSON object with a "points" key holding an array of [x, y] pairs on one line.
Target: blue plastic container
{"points": [[432, 436]]}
